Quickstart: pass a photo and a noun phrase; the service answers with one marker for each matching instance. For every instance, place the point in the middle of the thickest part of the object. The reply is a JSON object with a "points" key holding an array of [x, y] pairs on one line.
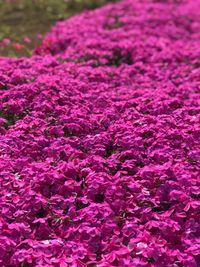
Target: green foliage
{"points": [[23, 18]]}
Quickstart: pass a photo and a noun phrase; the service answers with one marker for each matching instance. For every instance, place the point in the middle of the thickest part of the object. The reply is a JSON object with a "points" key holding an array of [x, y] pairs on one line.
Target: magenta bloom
{"points": [[99, 141]]}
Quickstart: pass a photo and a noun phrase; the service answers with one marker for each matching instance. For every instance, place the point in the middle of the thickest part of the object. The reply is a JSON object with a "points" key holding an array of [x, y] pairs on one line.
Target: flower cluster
{"points": [[99, 141]]}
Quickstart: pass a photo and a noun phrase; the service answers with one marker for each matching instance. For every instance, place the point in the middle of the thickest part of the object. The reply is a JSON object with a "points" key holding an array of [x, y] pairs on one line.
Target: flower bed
{"points": [[100, 141]]}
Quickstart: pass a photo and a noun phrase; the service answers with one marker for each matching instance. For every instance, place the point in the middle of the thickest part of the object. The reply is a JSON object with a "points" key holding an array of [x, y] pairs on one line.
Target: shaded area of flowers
{"points": [[99, 160]]}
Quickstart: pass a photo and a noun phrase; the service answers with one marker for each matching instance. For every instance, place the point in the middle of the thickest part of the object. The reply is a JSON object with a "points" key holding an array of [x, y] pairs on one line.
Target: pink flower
{"points": [[17, 46]]}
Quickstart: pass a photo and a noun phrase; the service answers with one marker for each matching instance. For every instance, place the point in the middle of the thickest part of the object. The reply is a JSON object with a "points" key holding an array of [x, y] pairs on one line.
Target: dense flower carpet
{"points": [[100, 141]]}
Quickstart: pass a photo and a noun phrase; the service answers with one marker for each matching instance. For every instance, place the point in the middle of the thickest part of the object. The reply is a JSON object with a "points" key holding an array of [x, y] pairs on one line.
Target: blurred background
{"points": [[24, 22]]}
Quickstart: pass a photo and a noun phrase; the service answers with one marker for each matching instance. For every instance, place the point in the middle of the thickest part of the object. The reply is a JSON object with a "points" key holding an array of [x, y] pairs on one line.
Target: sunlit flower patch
{"points": [[99, 141]]}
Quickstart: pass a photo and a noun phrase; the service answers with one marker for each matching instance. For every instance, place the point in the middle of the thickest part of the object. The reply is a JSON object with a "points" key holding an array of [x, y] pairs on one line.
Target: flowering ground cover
{"points": [[99, 139], [22, 21]]}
